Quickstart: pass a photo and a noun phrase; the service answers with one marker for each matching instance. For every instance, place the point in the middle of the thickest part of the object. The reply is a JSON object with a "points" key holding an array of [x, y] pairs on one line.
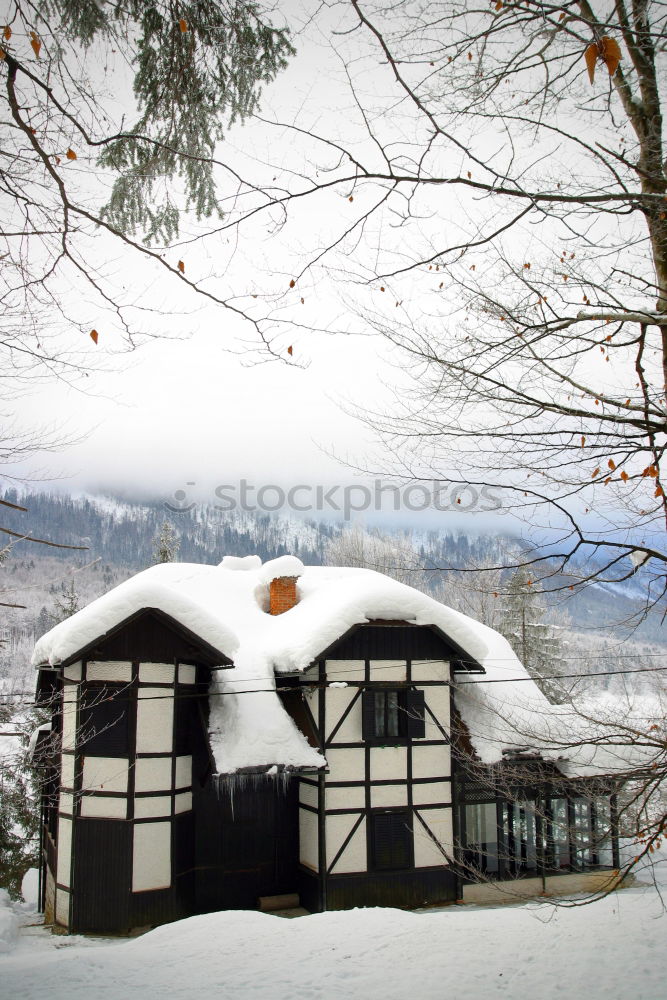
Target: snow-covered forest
{"points": [[577, 635]]}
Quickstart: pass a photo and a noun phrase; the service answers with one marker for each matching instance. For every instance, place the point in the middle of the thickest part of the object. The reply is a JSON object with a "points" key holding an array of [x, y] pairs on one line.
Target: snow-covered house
{"points": [[223, 734]]}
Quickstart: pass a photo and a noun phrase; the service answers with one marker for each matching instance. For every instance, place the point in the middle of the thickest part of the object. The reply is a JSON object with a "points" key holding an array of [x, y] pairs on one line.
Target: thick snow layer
{"points": [[241, 562], [9, 924], [228, 609], [282, 566], [613, 949], [505, 711]]}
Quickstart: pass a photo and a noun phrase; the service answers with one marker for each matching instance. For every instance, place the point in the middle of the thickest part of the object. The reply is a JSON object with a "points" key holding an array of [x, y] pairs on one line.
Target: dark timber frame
{"points": [[408, 885]]}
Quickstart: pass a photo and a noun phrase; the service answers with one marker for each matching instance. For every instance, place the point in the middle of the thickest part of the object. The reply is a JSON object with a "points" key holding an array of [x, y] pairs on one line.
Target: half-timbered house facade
{"points": [[221, 735]]}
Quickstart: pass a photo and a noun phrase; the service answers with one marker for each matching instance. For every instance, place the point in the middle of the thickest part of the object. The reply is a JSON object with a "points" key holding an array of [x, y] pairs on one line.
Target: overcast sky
{"points": [[192, 409]]}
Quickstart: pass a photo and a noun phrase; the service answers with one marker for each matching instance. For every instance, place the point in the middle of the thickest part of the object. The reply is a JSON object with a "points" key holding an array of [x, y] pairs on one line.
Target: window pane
{"points": [[560, 834], [392, 713], [481, 847], [582, 832], [379, 713], [524, 836], [602, 845]]}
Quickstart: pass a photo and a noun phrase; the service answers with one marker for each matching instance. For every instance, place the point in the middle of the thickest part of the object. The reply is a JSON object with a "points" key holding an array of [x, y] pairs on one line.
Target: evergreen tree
{"points": [[534, 640], [19, 812], [66, 604], [165, 544], [43, 622], [194, 69]]}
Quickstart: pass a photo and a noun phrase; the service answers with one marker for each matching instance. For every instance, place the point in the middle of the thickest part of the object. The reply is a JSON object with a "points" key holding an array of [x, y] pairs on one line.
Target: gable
{"points": [[389, 640], [151, 636]]}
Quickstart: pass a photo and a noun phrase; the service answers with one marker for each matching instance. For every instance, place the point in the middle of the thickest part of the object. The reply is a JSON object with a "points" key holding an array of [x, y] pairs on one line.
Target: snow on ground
{"points": [[613, 949]]}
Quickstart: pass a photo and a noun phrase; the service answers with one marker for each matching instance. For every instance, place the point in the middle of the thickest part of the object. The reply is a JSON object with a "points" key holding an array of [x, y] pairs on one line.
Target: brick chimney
{"points": [[282, 594]]}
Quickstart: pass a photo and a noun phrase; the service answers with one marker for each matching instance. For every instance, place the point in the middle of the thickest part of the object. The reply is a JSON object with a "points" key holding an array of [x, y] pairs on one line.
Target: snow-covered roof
{"points": [[226, 606]]}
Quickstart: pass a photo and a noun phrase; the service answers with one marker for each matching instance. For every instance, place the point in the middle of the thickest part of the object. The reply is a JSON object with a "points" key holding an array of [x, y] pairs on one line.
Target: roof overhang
{"points": [[215, 656], [462, 662]]}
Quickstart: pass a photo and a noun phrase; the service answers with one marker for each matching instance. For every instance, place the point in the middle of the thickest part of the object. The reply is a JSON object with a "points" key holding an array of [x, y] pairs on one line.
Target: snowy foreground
{"points": [[613, 949]]}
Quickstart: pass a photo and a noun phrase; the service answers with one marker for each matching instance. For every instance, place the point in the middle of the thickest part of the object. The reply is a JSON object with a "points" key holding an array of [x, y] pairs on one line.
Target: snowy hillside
{"points": [[119, 536]]}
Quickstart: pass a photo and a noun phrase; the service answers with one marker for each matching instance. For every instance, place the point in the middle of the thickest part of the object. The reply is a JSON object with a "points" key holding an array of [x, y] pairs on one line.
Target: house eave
{"points": [[462, 662], [217, 658]]}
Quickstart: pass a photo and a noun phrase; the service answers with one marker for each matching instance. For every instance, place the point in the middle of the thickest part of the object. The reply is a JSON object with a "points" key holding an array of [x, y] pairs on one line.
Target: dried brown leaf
{"points": [[591, 56], [610, 53]]}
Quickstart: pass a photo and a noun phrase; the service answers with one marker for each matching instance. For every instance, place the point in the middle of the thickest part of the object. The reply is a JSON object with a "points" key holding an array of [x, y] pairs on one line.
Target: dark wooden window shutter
{"points": [[414, 707], [368, 715], [391, 841]]}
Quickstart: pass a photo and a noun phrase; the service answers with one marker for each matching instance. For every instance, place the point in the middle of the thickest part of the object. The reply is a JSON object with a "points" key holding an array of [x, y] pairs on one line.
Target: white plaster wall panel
{"points": [[105, 774], [388, 795], [66, 803], [345, 765], [308, 838], [308, 795], [433, 791], [187, 674], [353, 858], [104, 807], [439, 822], [152, 774], [115, 671], [389, 670], [437, 699], [183, 802], [388, 762], [73, 672], [313, 702], [155, 720], [345, 798], [338, 700], [430, 670], [67, 770], [431, 762], [70, 692], [151, 856], [152, 805], [64, 864], [157, 673], [345, 670], [62, 908], [183, 772]]}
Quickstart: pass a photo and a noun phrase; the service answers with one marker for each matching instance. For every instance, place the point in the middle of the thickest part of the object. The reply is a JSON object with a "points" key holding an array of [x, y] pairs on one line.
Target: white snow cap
{"points": [[282, 566], [241, 562]]}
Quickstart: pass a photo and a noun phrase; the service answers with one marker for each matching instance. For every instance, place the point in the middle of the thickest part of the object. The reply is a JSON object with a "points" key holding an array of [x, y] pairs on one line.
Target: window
{"points": [[392, 715], [481, 839], [386, 718], [543, 832], [558, 839], [391, 840]]}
